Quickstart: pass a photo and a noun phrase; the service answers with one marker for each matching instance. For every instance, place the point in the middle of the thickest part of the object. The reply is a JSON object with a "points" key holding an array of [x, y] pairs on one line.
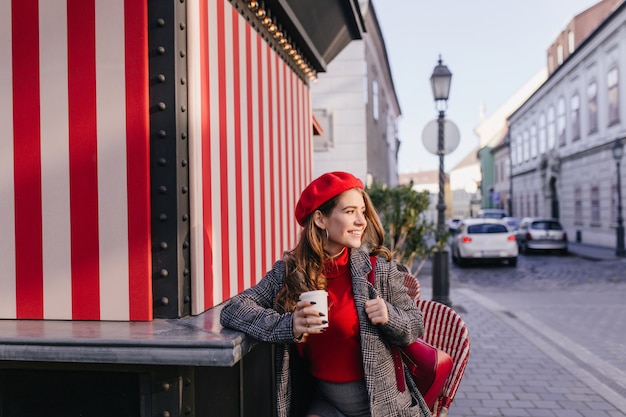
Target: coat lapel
{"points": [[363, 291]]}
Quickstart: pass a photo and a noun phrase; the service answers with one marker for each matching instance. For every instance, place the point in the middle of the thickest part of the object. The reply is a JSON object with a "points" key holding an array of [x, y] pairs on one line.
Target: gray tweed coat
{"points": [[252, 313]]}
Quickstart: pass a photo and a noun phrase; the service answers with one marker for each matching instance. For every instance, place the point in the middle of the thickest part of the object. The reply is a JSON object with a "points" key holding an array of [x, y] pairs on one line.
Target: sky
{"points": [[492, 48]]}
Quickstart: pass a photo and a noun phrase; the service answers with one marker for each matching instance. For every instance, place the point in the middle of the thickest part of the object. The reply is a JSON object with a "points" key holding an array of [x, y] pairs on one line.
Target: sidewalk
{"points": [[515, 370], [596, 253], [518, 367]]}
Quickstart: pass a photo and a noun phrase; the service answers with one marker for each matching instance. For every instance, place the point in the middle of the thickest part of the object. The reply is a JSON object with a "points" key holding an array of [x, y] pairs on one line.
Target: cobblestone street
{"points": [[548, 338]]}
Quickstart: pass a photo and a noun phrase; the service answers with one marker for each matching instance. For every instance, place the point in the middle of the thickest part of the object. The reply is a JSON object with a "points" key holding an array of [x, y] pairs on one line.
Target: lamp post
{"points": [[440, 82], [618, 153]]}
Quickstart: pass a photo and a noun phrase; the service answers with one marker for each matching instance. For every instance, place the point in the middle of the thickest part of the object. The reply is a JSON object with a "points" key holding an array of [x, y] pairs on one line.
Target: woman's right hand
{"points": [[305, 316]]}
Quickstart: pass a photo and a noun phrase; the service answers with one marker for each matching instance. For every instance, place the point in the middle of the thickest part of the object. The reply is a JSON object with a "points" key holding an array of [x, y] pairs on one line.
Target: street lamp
{"points": [[440, 82], [618, 153]]}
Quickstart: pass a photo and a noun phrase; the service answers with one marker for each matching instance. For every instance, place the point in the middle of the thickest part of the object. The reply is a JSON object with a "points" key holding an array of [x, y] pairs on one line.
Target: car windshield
{"points": [[546, 225], [487, 228]]}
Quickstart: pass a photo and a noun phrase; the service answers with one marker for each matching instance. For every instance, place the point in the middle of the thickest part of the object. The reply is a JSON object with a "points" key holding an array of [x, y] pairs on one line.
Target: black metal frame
{"points": [[169, 156]]}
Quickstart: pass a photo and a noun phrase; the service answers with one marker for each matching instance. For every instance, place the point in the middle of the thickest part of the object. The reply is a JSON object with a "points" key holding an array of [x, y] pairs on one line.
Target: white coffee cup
{"points": [[321, 304]]}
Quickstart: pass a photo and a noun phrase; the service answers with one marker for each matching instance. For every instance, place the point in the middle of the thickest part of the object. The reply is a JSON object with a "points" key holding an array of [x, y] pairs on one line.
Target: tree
{"points": [[408, 234]]}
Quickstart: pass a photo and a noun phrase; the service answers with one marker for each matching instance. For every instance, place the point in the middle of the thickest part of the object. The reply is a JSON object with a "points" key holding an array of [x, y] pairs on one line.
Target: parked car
{"points": [[484, 240], [512, 222], [453, 225], [492, 213], [541, 234]]}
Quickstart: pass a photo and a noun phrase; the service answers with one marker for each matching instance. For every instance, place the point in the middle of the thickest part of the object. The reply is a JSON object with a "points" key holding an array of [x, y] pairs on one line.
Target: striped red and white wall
{"points": [[74, 160], [75, 237], [250, 152]]}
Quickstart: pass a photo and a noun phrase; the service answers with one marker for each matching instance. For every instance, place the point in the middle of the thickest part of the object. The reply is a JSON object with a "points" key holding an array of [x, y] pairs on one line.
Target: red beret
{"points": [[323, 189]]}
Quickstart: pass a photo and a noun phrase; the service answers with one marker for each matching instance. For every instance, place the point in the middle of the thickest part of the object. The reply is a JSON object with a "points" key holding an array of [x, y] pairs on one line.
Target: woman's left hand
{"points": [[376, 310]]}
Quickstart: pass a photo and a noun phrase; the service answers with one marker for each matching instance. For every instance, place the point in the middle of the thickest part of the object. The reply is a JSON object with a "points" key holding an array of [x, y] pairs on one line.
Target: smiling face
{"points": [[345, 223]]}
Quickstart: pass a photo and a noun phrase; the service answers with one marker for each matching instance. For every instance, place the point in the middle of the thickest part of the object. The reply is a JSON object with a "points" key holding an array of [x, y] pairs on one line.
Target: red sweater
{"points": [[335, 355]]}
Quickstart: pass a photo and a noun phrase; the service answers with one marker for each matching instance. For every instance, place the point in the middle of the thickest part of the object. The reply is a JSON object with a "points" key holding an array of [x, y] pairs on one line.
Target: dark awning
{"points": [[321, 28]]}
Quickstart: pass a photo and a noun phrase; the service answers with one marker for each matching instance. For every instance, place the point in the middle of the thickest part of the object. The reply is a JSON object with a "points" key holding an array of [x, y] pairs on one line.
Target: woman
{"points": [[344, 369]]}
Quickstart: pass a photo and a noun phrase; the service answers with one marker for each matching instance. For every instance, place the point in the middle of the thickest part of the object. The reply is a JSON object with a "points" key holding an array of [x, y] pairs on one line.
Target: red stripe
{"points": [[138, 159], [294, 172], [221, 53], [251, 159], [296, 150], [27, 160], [207, 189], [83, 159], [238, 139], [270, 119], [261, 105], [299, 136]]}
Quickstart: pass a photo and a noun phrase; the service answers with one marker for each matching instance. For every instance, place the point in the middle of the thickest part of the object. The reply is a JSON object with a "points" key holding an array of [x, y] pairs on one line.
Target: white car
{"points": [[484, 240]]}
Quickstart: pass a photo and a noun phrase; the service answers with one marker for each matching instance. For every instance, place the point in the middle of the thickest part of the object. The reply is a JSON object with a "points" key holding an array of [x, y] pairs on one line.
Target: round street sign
{"points": [[451, 136]]}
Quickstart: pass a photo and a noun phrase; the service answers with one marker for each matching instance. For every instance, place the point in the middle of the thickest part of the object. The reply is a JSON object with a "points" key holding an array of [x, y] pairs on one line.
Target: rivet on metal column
{"points": [[169, 154]]}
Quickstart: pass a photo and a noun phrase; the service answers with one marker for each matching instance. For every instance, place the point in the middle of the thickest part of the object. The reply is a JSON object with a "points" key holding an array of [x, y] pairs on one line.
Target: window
{"points": [[595, 205], [542, 133], [526, 146], [612, 82], [559, 54], [578, 205], [592, 106], [520, 154], [375, 99], [551, 129], [560, 121], [575, 116], [570, 42], [536, 205], [533, 141]]}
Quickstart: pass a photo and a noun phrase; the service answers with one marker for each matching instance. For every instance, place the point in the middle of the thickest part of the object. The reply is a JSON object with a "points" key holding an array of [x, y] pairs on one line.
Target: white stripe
{"points": [[289, 160], [266, 146], [233, 257], [256, 85], [303, 156], [112, 185], [245, 186], [8, 303], [215, 152], [195, 157], [308, 132], [55, 175], [298, 155], [282, 138]]}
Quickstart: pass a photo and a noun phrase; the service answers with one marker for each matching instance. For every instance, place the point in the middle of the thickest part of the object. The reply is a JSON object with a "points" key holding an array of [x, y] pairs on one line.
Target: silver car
{"points": [[541, 234]]}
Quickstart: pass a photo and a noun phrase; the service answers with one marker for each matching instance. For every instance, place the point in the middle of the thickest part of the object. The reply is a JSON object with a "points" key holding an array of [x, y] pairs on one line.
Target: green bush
{"points": [[407, 233]]}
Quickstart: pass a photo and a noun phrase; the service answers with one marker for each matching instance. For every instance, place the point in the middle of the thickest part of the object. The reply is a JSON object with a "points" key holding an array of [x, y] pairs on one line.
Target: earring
{"points": [[326, 234]]}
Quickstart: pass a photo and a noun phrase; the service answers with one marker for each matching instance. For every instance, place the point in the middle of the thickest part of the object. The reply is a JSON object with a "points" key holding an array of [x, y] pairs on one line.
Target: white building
{"points": [[356, 106], [561, 137]]}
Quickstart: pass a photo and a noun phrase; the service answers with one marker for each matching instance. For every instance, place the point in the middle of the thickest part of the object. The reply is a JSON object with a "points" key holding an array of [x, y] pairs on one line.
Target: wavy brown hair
{"points": [[305, 262]]}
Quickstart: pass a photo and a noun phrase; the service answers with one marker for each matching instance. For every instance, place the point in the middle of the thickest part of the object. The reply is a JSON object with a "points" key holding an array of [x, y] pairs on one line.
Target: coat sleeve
{"points": [[406, 321], [253, 313]]}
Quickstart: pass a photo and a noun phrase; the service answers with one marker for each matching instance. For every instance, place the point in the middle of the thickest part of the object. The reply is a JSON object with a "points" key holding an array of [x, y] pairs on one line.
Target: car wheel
{"points": [[513, 262]]}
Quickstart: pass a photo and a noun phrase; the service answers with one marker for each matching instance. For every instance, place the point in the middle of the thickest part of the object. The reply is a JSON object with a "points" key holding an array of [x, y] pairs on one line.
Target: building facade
{"points": [[561, 137], [491, 132], [357, 108]]}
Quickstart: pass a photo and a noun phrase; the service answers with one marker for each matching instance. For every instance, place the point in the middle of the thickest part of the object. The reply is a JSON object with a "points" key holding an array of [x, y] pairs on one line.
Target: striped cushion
{"points": [[445, 329]]}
